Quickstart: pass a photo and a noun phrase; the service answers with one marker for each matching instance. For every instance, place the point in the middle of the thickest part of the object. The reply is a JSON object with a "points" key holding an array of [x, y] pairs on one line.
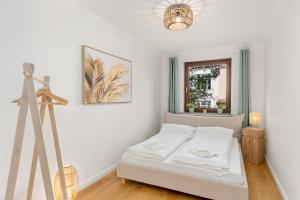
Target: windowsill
{"points": [[206, 114]]}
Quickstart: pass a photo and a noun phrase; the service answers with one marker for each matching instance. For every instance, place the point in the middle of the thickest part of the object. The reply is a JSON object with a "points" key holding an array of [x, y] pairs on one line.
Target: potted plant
{"points": [[221, 107], [190, 107]]}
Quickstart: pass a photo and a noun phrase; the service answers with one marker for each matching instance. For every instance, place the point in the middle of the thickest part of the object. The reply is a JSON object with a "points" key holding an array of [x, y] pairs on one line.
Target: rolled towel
{"points": [[202, 152], [154, 145]]}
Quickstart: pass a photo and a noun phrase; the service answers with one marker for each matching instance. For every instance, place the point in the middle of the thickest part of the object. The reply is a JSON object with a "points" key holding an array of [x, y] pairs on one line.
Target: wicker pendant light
{"points": [[178, 17]]}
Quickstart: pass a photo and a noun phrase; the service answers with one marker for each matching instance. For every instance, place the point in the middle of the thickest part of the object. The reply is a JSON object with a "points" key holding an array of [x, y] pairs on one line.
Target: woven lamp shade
{"points": [[72, 184], [178, 17]]}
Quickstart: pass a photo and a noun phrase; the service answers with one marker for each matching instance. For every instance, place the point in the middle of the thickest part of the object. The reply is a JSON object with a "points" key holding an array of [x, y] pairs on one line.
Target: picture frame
{"points": [[106, 78]]}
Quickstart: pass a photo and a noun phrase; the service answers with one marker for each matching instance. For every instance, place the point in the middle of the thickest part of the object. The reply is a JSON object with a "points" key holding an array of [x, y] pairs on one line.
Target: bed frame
{"points": [[201, 187]]}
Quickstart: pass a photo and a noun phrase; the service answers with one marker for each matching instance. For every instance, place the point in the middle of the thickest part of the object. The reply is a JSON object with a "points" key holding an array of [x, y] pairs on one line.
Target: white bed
{"points": [[228, 184], [233, 176]]}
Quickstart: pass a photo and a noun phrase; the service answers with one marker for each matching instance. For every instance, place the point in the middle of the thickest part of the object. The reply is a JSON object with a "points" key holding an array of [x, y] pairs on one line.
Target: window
{"points": [[208, 84]]}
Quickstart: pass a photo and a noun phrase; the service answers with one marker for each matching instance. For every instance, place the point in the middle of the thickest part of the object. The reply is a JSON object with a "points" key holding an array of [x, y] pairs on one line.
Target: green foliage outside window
{"points": [[199, 84]]}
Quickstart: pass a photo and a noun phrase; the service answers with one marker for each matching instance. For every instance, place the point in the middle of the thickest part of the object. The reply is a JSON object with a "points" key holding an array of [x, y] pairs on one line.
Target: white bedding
{"points": [[219, 147], [234, 175], [159, 146]]}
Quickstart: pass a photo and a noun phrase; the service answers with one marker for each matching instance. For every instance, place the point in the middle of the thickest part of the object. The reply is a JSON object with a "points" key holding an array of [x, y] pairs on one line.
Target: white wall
{"points": [[282, 102], [231, 51], [50, 33]]}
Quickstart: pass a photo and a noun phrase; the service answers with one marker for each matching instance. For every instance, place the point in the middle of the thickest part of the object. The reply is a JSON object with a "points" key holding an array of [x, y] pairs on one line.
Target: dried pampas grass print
{"points": [[100, 86]]}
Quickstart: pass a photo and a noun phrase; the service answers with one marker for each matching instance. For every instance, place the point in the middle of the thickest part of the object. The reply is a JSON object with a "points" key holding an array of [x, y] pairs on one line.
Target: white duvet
{"points": [[233, 176], [159, 146], [221, 147]]}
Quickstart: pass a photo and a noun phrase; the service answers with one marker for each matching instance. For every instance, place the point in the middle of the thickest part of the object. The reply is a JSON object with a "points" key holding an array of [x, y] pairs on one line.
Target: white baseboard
{"points": [[97, 177], [281, 190]]}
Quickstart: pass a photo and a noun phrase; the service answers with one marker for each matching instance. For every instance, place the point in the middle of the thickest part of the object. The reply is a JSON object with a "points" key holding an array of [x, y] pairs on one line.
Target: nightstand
{"points": [[253, 145]]}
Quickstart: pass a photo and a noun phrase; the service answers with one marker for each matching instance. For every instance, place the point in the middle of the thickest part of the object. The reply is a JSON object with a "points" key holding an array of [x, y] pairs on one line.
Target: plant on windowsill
{"points": [[221, 107], [190, 107]]}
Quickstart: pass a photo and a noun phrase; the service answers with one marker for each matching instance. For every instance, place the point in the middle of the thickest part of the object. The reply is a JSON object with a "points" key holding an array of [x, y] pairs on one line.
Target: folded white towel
{"points": [[167, 144], [219, 146], [154, 145], [202, 152]]}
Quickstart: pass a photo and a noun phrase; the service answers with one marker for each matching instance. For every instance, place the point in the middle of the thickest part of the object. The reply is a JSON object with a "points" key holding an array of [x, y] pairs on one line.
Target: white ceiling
{"points": [[218, 22]]}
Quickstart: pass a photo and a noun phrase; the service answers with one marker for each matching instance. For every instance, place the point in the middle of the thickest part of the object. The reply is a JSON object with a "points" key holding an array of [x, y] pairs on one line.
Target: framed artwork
{"points": [[106, 78]]}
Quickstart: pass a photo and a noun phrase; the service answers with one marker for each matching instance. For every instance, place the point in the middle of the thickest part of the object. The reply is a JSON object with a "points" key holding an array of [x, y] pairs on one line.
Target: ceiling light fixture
{"points": [[178, 17]]}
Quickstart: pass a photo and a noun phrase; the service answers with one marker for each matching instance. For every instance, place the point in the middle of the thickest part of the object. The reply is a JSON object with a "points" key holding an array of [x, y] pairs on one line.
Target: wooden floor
{"points": [[260, 181]]}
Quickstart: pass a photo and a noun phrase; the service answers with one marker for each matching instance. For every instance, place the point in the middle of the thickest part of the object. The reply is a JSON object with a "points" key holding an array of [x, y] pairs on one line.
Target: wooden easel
{"points": [[29, 99]]}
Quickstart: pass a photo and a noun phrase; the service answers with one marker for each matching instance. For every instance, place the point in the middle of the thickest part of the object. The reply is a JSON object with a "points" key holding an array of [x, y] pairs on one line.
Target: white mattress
{"points": [[233, 176]]}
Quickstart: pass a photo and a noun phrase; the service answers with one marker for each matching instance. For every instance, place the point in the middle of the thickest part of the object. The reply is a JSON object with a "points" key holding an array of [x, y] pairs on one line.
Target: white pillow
{"points": [[215, 132], [177, 128]]}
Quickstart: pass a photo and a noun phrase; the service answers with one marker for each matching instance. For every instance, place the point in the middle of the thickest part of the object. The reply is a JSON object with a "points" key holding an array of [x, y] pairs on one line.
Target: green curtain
{"points": [[245, 85], [172, 85]]}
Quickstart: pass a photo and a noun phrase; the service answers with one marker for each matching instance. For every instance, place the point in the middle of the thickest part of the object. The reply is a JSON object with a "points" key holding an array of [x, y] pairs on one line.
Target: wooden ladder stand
{"points": [[29, 99]]}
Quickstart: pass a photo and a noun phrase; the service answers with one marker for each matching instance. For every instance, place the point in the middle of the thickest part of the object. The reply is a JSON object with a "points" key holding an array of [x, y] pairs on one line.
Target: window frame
{"points": [[228, 62]]}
